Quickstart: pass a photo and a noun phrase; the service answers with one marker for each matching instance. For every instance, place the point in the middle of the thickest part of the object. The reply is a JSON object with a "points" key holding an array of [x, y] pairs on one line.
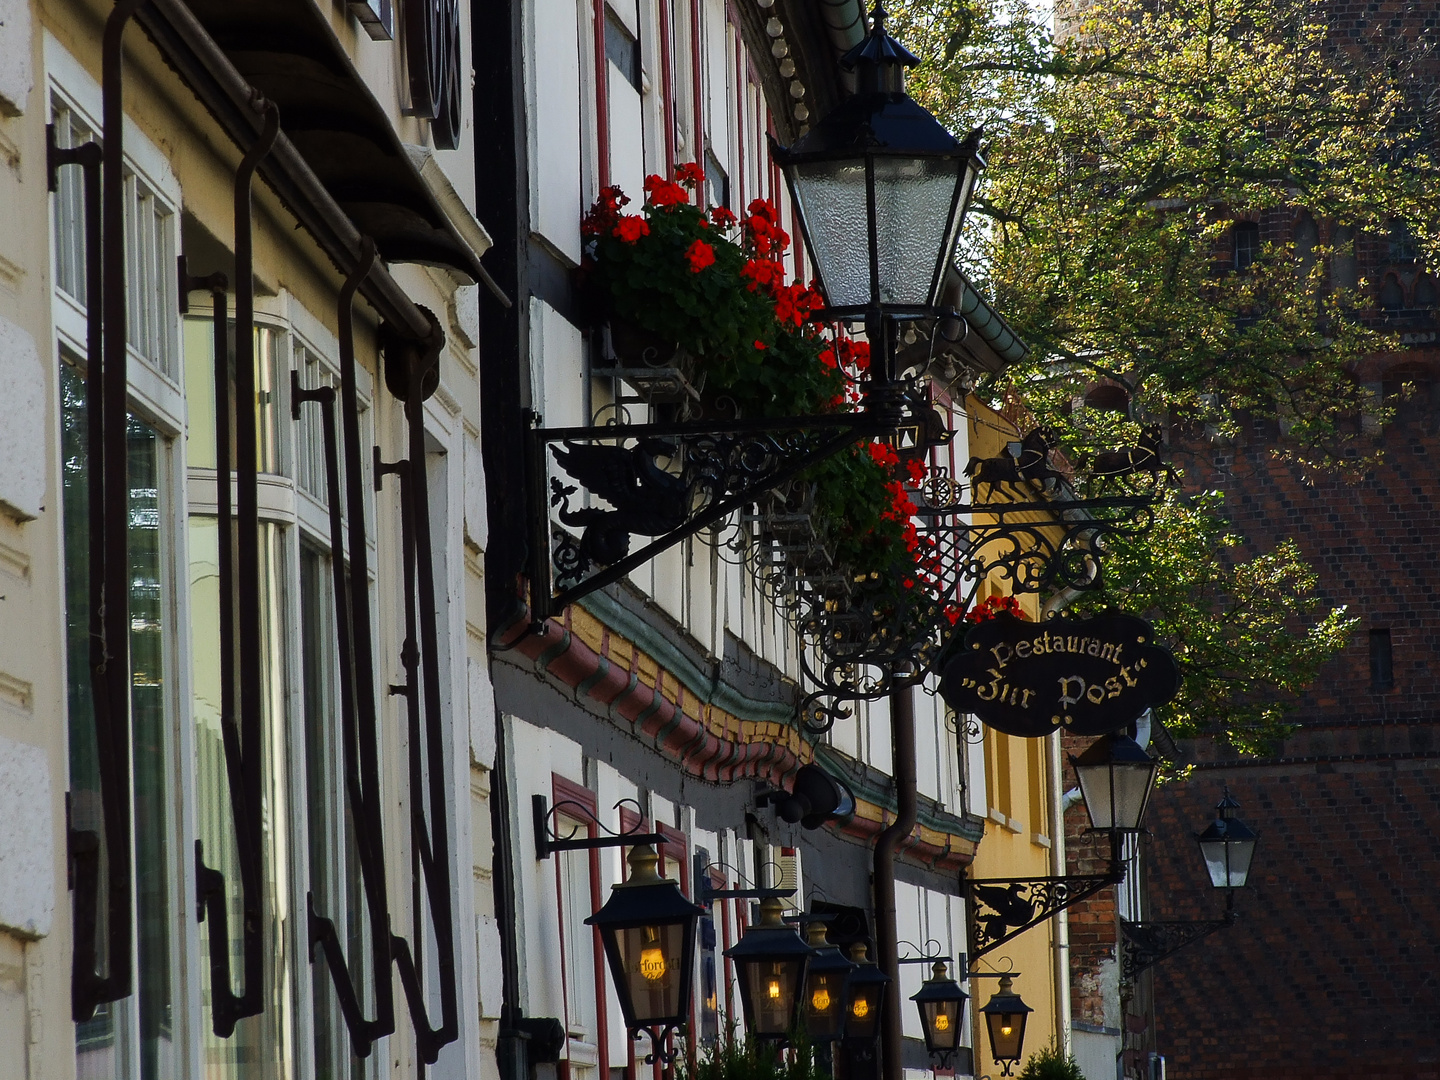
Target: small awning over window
{"points": [[330, 123]]}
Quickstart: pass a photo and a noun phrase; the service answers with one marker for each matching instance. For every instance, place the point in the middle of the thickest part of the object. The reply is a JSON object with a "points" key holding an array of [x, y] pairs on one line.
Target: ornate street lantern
{"points": [[1116, 777], [1005, 1015], [866, 997], [826, 980], [881, 188], [771, 961], [941, 1003], [648, 930], [1228, 845]]}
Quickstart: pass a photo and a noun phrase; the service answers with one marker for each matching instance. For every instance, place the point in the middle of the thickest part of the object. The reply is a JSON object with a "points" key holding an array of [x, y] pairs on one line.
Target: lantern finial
{"points": [[644, 866]]}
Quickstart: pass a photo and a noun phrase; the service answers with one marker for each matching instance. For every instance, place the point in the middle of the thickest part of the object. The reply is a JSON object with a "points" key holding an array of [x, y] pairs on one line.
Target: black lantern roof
{"points": [[1228, 846]]}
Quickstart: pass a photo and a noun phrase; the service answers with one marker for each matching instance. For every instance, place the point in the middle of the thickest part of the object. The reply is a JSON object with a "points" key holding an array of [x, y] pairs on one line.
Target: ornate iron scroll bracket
{"points": [[1145, 944], [1004, 908], [667, 481], [548, 841], [706, 894]]}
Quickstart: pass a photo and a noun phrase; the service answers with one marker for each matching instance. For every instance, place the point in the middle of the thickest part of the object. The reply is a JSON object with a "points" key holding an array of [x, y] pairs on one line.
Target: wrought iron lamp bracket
{"points": [[706, 894], [1004, 908], [548, 841], [930, 953], [1145, 944]]}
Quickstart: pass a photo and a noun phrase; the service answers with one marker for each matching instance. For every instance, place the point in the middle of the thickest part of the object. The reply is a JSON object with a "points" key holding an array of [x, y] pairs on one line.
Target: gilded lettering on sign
{"points": [[1090, 676]]}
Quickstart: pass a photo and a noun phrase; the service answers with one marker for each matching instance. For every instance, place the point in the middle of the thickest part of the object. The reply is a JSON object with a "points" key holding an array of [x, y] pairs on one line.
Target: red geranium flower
{"points": [[699, 255], [723, 217], [631, 227], [689, 174], [883, 455], [663, 193]]}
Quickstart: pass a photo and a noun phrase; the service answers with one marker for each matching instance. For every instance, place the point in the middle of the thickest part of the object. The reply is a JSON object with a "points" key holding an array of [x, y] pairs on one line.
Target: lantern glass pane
{"points": [[772, 988], [1116, 793], [652, 958], [1007, 1034], [1228, 861], [831, 196], [913, 200], [824, 1004], [864, 1018], [942, 1023]]}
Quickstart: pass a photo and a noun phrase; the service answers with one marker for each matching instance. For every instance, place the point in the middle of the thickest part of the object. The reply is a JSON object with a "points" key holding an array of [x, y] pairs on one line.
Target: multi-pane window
{"points": [[150, 281], [1247, 243], [134, 1037]]}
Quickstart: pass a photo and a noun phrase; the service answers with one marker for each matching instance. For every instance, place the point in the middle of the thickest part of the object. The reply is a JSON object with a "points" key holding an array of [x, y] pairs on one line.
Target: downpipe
{"points": [[902, 735]]}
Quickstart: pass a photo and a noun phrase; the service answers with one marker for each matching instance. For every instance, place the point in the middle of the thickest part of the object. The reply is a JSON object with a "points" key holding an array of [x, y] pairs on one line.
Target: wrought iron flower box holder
{"points": [[107, 883], [716, 470]]}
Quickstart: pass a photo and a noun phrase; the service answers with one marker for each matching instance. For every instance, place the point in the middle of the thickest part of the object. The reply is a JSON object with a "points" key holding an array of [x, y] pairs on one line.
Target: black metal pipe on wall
{"points": [[902, 727]]}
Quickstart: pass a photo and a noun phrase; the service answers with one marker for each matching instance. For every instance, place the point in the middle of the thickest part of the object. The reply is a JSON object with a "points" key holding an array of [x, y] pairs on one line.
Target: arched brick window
{"points": [[1392, 295], [1108, 398], [1427, 295]]}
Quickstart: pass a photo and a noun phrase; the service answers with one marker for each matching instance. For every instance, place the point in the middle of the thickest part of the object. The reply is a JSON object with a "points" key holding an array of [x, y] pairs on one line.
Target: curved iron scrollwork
{"points": [[548, 841], [410, 374], [1003, 908], [241, 704], [1145, 944], [667, 481], [891, 629]]}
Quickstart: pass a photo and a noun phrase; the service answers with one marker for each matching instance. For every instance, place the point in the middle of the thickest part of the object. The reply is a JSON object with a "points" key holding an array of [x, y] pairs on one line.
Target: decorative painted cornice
{"points": [[623, 667]]}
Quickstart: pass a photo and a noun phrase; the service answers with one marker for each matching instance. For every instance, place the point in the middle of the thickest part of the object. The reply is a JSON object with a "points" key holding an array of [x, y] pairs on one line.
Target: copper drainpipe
{"points": [[902, 737]]}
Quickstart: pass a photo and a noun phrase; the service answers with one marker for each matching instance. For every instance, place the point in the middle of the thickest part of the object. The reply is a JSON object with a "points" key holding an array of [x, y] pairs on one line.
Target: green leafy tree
{"points": [[1121, 151], [1123, 141], [1249, 634]]}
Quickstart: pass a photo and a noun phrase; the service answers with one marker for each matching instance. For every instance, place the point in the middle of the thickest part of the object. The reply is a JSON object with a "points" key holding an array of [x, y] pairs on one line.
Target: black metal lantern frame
{"points": [[827, 984], [771, 961], [664, 949], [1005, 1016], [941, 1003], [864, 1003], [1146, 943]]}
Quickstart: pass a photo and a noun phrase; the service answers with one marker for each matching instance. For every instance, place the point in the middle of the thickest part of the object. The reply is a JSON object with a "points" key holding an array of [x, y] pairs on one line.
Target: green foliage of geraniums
{"points": [[1051, 1063], [736, 1056], [715, 285]]}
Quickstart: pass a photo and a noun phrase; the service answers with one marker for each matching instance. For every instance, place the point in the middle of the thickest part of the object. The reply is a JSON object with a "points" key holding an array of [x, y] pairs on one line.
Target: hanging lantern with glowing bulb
{"points": [[941, 1002], [1005, 1015], [771, 961], [825, 983], [647, 928], [866, 997]]}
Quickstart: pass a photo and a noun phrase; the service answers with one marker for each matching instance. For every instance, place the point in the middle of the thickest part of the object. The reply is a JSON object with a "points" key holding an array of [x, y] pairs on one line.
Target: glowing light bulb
{"points": [[1006, 1029], [652, 963], [861, 1008], [774, 989], [820, 1000], [942, 1022]]}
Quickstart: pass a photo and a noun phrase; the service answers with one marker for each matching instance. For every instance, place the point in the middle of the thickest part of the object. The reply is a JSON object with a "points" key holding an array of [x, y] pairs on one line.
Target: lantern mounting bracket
{"points": [[706, 894], [1145, 944], [1004, 908], [548, 841]]}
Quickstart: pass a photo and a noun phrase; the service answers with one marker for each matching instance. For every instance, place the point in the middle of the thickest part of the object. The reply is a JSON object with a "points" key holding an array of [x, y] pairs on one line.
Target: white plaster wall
{"points": [[27, 854], [22, 413], [627, 135], [1095, 1054], [552, 71], [16, 73]]}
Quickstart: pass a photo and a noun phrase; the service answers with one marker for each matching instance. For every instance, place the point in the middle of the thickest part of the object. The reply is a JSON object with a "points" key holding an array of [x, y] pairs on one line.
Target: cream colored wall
{"points": [[36, 1033]]}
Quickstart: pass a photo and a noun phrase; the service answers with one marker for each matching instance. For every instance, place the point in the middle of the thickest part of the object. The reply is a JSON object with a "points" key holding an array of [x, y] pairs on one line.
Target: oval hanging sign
{"points": [[1090, 676]]}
